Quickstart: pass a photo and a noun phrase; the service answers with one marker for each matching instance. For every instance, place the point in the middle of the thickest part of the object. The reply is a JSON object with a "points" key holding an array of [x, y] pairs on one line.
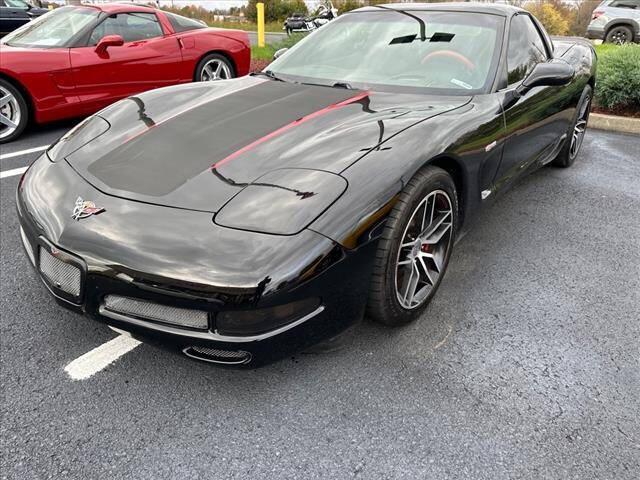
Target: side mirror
{"points": [[279, 53], [109, 41], [549, 74]]}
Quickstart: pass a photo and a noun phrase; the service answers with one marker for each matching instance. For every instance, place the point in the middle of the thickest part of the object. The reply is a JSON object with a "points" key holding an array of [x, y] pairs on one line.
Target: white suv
{"points": [[616, 21]]}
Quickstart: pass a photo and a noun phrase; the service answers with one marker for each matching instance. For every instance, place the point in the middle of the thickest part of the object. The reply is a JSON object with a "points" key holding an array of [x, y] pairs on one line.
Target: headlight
{"points": [[282, 202], [255, 322], [78, 137]]}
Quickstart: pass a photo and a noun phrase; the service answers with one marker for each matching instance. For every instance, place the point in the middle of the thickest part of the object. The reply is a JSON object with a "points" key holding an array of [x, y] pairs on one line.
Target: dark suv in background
{"points": [[15, 13], [616, 21]]}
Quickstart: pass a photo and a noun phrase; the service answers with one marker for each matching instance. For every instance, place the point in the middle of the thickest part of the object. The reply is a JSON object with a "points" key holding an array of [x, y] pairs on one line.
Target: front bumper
{"points": [[322, 270]]}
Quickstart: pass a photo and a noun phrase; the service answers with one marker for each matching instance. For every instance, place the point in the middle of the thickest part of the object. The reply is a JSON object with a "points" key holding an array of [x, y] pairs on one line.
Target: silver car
{"points": [[616, 21]]}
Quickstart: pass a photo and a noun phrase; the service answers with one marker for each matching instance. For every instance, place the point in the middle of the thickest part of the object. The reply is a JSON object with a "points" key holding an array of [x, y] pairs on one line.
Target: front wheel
{"points": [[214, 67], [575, 136], [14, 113], [414, 249]]}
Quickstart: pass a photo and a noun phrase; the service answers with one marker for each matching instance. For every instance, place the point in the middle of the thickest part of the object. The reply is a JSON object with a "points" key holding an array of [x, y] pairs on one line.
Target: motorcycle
{"points": [[298, 23]]}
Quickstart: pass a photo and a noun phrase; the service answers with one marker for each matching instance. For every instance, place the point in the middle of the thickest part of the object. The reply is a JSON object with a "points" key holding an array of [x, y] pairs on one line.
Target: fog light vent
{"points": [[156, 312], [213, 355], [62, 275]]}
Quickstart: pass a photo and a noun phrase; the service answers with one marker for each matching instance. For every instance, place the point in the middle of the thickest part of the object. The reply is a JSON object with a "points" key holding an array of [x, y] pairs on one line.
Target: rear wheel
{"points": [[14, 113], [414, 249], [572, 145], [214, 67], [619, 34]]}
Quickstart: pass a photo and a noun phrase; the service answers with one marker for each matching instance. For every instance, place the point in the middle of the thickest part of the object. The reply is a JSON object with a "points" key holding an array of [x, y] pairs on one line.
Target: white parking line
{"points": [[100, 357], [13, 173], [24, 152]]}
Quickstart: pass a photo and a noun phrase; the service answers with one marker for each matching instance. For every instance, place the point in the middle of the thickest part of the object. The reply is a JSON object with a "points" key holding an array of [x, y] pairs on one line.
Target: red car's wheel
{"points": [[14, 113], [214, 67]]}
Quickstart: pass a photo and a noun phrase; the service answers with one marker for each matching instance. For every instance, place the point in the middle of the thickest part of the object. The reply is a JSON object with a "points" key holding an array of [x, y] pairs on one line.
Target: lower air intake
{"points": [[213, 355], [62, 275], [133, 307]]}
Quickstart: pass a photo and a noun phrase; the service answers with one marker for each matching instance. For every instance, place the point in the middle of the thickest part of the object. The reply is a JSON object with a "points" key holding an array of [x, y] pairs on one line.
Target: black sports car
{"points": [[246, 219]]}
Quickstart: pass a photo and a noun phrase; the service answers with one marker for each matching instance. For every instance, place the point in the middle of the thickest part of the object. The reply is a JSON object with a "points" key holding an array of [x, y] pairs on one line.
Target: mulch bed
{"points": [[257, 65], [632, 112]]}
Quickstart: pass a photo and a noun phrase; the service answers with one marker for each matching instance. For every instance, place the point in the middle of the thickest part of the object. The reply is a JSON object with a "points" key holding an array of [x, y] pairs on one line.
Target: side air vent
{"points": [[212, 355]]}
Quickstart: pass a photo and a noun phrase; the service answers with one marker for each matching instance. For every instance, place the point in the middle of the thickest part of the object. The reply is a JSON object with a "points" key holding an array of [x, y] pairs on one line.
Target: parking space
{"points": [[525, 365]]}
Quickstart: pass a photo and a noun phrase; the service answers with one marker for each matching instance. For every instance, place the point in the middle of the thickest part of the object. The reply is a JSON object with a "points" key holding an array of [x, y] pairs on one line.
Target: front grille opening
{"points": [[213, 355], [181, 317], [61, 275]]}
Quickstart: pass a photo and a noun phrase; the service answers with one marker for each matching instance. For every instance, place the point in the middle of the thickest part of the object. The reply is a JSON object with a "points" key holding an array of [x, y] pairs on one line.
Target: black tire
{"points": [[16, 109], [213, 57], [384, 304], [568, 154], [619, 34]]}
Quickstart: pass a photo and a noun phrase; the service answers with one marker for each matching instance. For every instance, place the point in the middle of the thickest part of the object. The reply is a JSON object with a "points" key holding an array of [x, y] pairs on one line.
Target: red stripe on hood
{"points": [[288, 126]]}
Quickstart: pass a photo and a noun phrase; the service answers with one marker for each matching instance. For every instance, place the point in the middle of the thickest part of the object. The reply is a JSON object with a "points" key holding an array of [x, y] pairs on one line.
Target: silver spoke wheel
{"points": [[424, 248], [10, 114], [215, 69], [580, 127]]}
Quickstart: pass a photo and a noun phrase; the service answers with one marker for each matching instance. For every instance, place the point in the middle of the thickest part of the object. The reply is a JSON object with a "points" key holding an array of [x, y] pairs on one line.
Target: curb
{"points": [[614, 123]]}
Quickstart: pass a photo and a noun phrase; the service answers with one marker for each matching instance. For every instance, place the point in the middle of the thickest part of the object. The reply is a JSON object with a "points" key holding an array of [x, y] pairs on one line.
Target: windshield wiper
{"points": [[269, 74], [342, 85]]}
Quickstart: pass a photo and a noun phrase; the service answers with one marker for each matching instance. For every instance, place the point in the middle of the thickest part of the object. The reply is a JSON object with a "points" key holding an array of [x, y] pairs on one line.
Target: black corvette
{"points": [[243, 220]]}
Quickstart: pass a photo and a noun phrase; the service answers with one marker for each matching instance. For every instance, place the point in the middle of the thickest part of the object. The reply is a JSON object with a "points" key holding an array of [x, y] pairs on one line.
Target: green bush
{"points": [[618, 77]]}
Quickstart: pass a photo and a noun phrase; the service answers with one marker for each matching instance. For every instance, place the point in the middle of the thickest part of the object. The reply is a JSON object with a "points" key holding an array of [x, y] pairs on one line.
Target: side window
{"points": [[183, 24], [634, 4], [526, 48], [132, 27]]}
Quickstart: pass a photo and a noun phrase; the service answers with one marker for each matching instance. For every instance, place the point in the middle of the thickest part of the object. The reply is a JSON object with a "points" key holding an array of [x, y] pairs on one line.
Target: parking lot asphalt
{"points": [[525, 365]]}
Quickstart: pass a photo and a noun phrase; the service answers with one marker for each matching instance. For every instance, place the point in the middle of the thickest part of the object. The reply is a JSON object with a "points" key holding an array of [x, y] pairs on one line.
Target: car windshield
{"points": [[53, 29], [446, 52]]}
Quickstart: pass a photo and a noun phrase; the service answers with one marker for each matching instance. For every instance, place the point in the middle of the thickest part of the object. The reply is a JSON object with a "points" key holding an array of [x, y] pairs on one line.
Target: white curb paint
{"points": [[100, 357], [24, 152], [13, 173]]}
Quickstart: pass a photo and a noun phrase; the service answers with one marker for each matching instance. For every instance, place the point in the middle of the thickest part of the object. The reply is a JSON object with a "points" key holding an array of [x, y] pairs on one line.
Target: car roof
{"points": [[120, 7], [490, 8]]}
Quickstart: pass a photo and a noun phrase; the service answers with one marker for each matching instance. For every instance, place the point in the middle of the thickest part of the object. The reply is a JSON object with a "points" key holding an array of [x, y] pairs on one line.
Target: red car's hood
{"points": [[196, 146]]}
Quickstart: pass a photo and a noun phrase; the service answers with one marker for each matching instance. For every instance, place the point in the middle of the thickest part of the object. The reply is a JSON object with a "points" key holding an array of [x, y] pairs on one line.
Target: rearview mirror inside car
{"points": [[109, 41]]}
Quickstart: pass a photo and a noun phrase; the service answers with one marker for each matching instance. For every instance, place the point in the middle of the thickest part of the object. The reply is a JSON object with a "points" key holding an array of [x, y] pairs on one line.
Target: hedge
{"points": [[618, 81]]}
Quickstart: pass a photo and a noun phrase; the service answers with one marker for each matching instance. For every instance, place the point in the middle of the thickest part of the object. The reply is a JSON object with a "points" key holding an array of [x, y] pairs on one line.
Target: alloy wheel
{"points": [[580, 127], [10, 113], [423, 250], [215, 69], [619, 37]]}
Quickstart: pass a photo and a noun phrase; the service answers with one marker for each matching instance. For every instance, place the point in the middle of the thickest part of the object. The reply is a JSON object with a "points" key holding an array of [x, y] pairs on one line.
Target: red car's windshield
{"points": [[53, 29]]}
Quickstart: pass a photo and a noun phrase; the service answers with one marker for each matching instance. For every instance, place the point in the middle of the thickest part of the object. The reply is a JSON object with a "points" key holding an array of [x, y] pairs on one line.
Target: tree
{"points": [[550, 16], [276, 10]]}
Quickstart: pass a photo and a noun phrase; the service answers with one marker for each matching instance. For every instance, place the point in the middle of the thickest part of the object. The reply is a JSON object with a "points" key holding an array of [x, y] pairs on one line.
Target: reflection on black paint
{"points": [[228, 181], [142, 114]]}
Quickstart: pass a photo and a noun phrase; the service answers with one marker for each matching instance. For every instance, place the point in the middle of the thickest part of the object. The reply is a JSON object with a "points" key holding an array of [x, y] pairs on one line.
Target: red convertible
{"points": [[75, 61]]}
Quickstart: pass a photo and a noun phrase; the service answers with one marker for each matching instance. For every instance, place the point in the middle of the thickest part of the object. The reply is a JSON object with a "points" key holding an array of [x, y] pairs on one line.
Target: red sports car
{"points": [[74, 61]]}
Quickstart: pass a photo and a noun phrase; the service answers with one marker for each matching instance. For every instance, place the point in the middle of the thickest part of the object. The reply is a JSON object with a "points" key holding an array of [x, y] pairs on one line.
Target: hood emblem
{"points": [[84, 209]]}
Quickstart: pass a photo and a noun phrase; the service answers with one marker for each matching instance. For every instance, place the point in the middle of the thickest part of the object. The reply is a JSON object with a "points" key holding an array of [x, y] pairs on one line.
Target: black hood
{"points": [[195, 146]]}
